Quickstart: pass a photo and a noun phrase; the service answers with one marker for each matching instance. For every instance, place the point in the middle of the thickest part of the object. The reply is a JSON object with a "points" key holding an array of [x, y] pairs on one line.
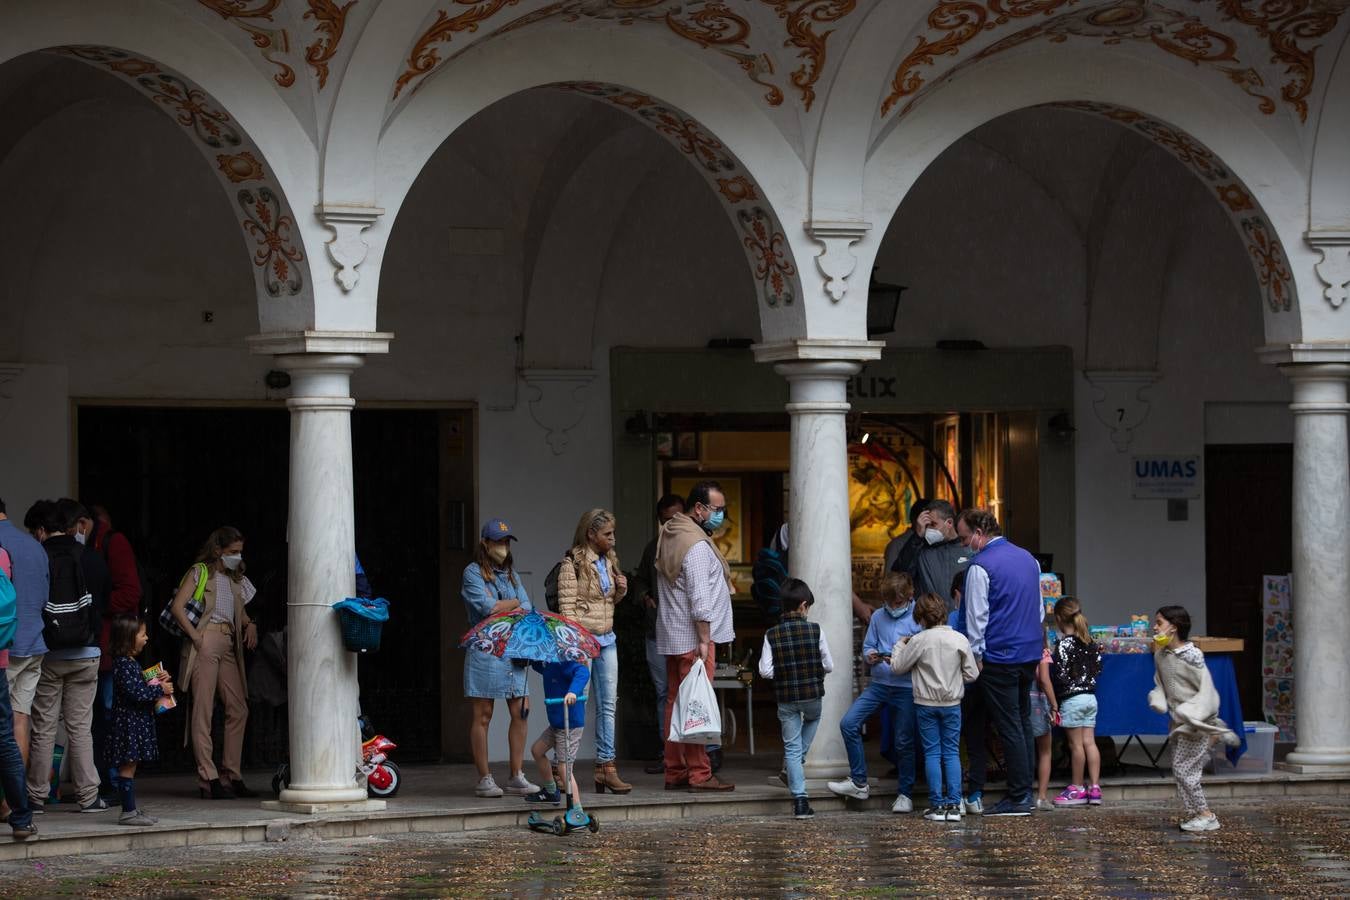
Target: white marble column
{"points": [[1321, 565], [321, 673], [819, 542]]}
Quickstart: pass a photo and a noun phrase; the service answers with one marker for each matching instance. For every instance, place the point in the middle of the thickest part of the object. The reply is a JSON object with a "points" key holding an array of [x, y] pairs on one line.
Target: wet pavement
{"points": [[1284, 848]]}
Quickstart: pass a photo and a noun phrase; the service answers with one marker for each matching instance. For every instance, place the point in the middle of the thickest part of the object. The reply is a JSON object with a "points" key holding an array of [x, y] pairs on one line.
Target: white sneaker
{"points": [[973, 806], [1201, 823], [903, 804], [1043, 804], [487, 787], [847, 788], [954, 813], [936, 814], [519, 784]]}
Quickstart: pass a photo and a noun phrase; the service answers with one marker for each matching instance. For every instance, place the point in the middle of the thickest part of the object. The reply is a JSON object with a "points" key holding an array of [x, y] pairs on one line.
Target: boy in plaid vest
{"points": [[796, 657]]}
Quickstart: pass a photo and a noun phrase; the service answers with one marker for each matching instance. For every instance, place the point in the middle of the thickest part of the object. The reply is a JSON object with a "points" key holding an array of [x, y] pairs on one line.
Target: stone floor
{"points": [[1129, 849]]}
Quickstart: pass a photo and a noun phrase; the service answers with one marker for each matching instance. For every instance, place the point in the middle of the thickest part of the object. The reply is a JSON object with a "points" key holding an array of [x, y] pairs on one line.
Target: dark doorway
{"points": [[169, 476], [1248, 522]]}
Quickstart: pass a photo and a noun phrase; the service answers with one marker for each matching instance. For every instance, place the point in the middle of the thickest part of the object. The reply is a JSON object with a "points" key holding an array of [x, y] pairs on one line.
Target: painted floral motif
{"points": [[1272, 270], [800, 17], [1234, 197], [1137, 21], [275, 248], [762, 237], [714, 25], [330, 20], [1284, 23], [240, 167], [1268, 258], [271, 42], [958, 22], [770, 254], [424, 56], [192, 108], [737, 189]]}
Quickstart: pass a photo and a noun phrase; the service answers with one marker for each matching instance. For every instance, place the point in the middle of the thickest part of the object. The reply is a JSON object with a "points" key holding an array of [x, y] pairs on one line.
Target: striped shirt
{"points": [[699, 594]]}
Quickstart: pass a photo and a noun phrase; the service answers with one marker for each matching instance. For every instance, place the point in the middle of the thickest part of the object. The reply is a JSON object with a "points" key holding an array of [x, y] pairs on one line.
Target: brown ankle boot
{"points": [[607, 776]]}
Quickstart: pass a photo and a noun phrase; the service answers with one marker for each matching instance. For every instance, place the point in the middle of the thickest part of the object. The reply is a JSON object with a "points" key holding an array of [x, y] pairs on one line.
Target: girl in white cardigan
{"points": [[1184, 689]]}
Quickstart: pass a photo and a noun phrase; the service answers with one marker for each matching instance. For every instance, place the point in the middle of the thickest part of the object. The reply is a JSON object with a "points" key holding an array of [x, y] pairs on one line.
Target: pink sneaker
{"points": [[1072, 795], [1094, 795]]}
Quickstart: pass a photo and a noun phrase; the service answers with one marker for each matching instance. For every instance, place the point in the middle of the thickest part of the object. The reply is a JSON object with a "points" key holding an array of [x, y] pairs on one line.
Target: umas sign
{"points": [[1166, 477]]}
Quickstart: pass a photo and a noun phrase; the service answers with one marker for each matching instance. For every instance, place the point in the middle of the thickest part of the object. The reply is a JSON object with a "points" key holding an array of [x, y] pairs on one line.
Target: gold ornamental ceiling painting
{"points": [[1267, 50], [783, 50]]}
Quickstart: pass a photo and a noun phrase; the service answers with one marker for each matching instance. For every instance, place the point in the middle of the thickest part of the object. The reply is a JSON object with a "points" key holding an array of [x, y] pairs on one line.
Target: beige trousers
{"points": [[217, 672], [65, 690]]}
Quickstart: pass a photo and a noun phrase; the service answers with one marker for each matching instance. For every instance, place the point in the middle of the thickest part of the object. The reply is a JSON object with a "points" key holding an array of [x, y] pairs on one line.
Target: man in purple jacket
{"points": [[1002, 604]]}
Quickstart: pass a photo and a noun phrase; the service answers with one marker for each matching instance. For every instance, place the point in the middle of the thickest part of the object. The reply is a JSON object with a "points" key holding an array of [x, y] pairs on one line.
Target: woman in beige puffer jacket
{"points": [[589, 585]]}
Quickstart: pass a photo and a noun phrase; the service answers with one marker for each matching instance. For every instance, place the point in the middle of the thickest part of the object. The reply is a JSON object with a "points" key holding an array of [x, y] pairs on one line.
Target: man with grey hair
{"points": [[942, 555]]}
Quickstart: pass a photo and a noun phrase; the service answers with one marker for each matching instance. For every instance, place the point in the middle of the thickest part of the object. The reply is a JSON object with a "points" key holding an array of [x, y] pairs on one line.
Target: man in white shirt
{"points": [[694, 614]]}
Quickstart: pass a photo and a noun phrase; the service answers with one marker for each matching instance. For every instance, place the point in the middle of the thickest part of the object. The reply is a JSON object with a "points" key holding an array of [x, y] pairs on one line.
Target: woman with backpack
{"points": [[589, 586], [213, 657]]}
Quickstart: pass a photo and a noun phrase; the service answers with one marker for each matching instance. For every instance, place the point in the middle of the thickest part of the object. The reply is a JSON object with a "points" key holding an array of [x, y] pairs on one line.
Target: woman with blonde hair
{"points": [[589, 586], [213, 658]]}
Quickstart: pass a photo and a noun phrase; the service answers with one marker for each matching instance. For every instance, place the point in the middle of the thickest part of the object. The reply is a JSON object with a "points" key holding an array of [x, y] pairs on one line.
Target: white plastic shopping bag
{"points": [[696, 719]]}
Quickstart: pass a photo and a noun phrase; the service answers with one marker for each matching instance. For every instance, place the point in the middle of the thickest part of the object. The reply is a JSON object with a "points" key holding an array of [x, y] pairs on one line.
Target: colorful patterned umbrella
{"points": [[533, 635]]}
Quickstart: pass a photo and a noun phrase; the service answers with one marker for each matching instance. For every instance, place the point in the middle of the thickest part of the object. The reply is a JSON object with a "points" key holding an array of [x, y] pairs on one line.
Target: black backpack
{"points": [[551, 582], [70, 617]]}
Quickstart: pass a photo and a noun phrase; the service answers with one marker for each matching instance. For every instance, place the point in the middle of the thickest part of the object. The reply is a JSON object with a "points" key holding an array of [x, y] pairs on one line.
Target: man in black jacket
{"points": [[644, 588], [942, 555], [69, 679]]}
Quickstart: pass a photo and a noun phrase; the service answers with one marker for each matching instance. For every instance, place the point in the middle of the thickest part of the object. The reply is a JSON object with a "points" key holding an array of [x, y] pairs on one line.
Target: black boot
{"points": [[715, 759], [217, 790], [801, 808], [241, 789]]}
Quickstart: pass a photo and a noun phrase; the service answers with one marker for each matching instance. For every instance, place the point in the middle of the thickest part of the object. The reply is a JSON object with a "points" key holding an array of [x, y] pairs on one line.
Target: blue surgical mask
{"points": [[897, 612], [715, 521]]}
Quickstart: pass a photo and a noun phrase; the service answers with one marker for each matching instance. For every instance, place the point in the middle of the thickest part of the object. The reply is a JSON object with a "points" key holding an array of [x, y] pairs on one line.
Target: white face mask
{"points": [[933, 536], [231, 562], [79, 537]]}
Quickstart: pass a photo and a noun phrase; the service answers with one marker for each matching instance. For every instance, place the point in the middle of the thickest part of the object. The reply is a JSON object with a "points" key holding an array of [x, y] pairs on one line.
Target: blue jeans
{"points": [[799, 720], [940, 734], [901, 702], [604, 690], [11, 762]]}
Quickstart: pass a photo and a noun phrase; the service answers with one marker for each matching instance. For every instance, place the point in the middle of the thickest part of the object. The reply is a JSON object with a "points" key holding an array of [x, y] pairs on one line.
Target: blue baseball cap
{"points": [[497, 530]]}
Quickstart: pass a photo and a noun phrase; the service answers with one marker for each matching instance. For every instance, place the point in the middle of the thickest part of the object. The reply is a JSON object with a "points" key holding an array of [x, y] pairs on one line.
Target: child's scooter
{"points": [[573, 818]]}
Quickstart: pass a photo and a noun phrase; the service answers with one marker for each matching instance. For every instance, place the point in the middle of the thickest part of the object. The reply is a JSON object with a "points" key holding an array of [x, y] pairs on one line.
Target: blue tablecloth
{"points": [[1122, 697]]}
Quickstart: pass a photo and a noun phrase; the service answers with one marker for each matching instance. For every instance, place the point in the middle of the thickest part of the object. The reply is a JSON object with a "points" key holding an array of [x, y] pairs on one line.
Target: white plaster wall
{"points": [[36, 429]]}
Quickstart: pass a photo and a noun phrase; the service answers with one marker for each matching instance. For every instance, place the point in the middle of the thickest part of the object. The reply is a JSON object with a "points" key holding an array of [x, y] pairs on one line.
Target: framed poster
{"points": [[947, 444], [731, 538]]}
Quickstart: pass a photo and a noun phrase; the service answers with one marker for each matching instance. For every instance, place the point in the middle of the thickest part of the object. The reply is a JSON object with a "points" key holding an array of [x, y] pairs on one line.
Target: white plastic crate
{"points": [[1260, 756]]}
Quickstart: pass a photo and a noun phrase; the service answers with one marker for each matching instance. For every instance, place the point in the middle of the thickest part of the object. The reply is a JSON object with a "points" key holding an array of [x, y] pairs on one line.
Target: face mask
{"points": [[79, 538], [897, 612], [1162, 640], [933, 536], [498, 553], [231, 562], [715, 521]]}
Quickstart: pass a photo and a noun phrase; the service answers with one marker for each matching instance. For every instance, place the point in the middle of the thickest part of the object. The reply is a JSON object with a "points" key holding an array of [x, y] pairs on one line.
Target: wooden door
{"points": [[1248, 521]]}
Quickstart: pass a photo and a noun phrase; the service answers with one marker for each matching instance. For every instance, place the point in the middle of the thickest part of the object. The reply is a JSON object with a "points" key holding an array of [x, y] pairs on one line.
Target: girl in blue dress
{"points": [[131, 739], [491, 586]]}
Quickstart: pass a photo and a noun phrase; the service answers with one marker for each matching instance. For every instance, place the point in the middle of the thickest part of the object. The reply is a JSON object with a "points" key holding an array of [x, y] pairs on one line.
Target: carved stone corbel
{"points": [[1120, 403], [1334, 269], [347, 249], [837, 262], [557, 402]]}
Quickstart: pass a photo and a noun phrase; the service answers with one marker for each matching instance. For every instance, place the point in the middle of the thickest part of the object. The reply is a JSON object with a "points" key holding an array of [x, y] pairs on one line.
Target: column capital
{"points": [[292, 343], [818, 350]]}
